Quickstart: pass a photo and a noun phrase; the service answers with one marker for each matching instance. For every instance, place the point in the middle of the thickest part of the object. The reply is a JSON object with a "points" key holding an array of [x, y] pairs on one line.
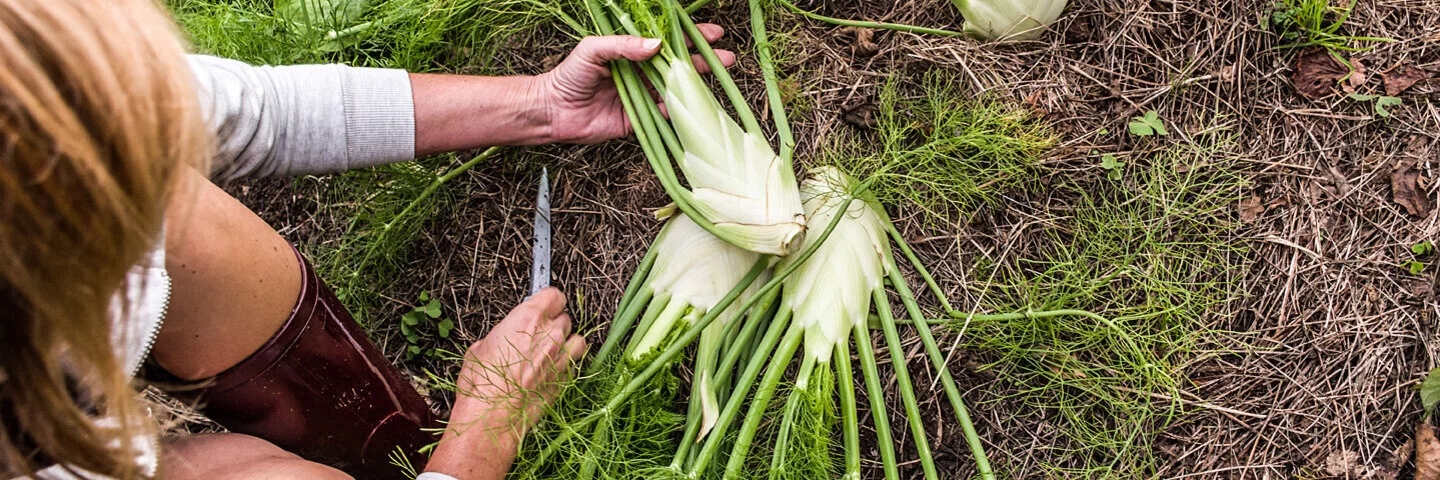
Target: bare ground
{"points": [[1331, 333]]}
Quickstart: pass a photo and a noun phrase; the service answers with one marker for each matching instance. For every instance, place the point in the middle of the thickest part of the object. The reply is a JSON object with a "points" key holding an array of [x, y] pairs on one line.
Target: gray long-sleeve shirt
{"points": [[268, 121], [295, 120]]}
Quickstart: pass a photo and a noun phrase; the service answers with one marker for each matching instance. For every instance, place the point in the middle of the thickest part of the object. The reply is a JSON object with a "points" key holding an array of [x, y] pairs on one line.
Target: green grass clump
{"points": [[1315, 23], [415, 35], [386, 209], [946, 152], [1156, 254]]}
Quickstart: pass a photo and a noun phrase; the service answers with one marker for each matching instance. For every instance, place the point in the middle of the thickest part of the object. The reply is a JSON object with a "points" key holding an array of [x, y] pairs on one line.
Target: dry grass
{"points": [[1330, 333]]}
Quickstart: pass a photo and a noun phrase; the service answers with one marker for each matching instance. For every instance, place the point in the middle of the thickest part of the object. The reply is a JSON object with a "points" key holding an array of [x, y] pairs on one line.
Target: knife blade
{"points": [[540, 268]]}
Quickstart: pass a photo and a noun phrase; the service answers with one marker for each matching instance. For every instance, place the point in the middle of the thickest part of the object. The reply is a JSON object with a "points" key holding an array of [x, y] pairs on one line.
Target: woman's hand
{"points": [[583, 104], [517, 366], [506, 381], [574, 103]]}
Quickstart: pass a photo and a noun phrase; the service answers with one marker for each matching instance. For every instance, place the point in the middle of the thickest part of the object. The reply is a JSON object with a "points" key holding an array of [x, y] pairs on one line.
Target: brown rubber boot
{"points": [[321, 390]]}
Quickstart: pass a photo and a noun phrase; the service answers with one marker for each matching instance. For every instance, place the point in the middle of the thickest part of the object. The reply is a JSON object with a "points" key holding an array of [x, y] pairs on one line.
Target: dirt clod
{"points": [[862, 115], [864, 41], [551, 61], [1316, 73]]}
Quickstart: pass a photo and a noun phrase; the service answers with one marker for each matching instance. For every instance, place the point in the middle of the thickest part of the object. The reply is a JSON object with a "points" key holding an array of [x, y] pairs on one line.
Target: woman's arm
{"points": [[304, 119], [574, 103]]}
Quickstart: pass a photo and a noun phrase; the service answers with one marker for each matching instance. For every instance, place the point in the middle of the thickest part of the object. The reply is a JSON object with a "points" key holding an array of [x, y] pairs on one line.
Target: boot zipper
{"points": [[159, 322]]}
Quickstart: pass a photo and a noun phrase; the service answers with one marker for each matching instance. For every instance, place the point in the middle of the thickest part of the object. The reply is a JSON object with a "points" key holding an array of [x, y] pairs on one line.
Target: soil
{"points": [[1330, 337]]}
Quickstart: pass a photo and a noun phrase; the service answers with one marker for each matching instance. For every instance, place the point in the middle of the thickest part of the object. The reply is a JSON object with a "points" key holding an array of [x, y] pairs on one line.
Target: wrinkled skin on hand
{"points": [[518, 366], [583, 104], [506, 381]]}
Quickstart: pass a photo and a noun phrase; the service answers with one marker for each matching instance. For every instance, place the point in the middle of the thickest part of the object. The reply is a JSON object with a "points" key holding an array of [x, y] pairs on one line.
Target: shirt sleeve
{"points": [[303, 119], [434, 476]]}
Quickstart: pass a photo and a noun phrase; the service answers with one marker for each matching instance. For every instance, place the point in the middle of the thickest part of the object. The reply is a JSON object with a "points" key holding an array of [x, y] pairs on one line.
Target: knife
{"points": [[540, 269]]}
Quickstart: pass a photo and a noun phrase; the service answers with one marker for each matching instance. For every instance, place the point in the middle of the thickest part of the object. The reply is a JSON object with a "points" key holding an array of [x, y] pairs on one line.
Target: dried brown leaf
{"points": [[1250, 208], [1344, 464], [1422, 290], [1036, 101], [1402, 453], [1389, 467], [1401, 78], [1358, 76], [1033, 99], [924, 128], [1313, 192], [1416, 146], [1342, 184], [1427, 453], [1405, 189], [1316, 72]]}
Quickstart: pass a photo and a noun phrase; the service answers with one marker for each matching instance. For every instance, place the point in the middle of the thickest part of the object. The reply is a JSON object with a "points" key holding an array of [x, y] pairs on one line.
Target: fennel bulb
{"points": [[831, 293], [693, 271], [1009, 19], [738, 182]]}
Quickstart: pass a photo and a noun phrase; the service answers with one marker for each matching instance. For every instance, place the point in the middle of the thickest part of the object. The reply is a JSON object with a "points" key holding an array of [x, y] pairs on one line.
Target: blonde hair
{"points": [[98, 117]]}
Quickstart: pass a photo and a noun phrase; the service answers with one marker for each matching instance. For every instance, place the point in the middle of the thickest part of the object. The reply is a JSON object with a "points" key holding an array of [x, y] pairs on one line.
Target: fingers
{"points": [[555, 335], [575, 347], [525, 358], [561, 324], [560, 362], [727, 58], [710, 31], [563, 361], [545, 304], [599, 50], [552, 301], [564, 357]]}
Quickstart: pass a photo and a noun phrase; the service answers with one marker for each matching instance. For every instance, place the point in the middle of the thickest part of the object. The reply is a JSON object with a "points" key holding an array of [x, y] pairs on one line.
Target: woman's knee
{"points": [[225, 456], [234, 282]]}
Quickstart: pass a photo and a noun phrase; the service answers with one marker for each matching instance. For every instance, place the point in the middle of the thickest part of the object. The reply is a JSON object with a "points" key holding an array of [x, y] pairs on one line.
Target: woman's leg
{"points": [[234, 282], [226, 456], [264, 348]]}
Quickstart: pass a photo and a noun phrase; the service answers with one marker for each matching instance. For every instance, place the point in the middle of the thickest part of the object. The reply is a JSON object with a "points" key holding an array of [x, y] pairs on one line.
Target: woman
{"points": [[109, 226]]}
